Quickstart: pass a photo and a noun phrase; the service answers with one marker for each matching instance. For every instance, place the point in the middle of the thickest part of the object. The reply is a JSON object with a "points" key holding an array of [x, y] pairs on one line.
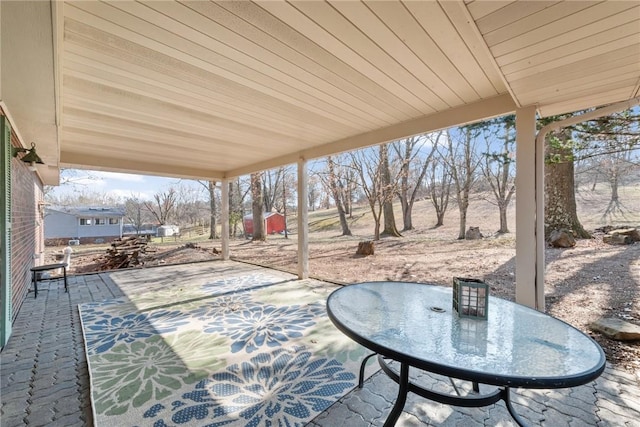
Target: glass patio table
{"points": [[414, 324]]}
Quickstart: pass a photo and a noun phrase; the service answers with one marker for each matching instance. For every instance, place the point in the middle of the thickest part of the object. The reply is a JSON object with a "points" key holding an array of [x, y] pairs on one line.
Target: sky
{"points": [[118, 185], [122, 186]]}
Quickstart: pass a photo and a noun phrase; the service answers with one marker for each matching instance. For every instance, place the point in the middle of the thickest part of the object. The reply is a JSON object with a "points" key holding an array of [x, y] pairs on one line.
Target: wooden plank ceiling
{"points": [[215, 89]]}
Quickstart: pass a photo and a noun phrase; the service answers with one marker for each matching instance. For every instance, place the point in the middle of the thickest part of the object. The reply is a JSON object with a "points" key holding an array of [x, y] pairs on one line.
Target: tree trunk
{"points": [[503, 219], [496, 166], [463, 206], [257, 208], [389, 221], [266, 200], [376, 233], [439, 191], [348, 194], [235, 213], [614, 189], [560, 198], [404, 195], [388, 194], [407, 221], [337, 198], [284, 205], [463, 165], [407, 209], [614, 205]]}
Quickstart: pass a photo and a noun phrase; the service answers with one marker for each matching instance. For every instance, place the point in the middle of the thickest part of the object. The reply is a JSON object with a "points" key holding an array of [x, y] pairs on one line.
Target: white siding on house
{"points": [[78, 223], [102, 230], [60, 225]]}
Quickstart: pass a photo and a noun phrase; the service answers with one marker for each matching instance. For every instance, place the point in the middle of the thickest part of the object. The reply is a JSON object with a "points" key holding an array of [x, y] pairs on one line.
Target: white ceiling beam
{"points": [[102, 163], [492, 107]]}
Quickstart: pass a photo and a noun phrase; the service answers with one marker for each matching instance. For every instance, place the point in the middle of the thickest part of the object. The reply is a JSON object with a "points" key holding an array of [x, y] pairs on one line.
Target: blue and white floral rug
{"points": [[214, 348]]}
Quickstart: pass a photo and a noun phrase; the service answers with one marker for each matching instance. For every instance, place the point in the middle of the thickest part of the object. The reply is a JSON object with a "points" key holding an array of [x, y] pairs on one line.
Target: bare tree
{"points": [[610, 145], [163, 205], [238, 192], [413, 169], [599, 139], [287, 190], [284, 202], [615, 167], [366, 163], [211, 188], [82, 196], [272, 182], [348, 186], [135, 212], [463, 163], [259, 233], [497, 161], [314, 192], [71, 177], [336, 191], [440, 181], [389, 189], [189, 207]]}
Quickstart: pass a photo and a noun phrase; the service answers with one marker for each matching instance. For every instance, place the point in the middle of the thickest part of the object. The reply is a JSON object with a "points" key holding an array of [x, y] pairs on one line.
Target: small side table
{"points": [[47, 267]]}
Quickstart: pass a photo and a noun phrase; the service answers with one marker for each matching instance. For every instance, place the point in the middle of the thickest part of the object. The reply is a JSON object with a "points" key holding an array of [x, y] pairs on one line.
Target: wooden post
{"points": [[527, 208], [303, 219], [224, 219]]}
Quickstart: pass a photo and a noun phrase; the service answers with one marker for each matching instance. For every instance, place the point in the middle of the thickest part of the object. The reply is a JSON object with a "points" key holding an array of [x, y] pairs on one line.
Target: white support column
{"points": [[527, 208], [303, 219], [224, 219], [539, 185], [541, 242]]}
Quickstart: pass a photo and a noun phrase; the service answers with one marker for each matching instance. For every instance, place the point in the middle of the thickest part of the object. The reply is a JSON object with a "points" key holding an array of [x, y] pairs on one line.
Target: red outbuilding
{"points": [[273, 223]]}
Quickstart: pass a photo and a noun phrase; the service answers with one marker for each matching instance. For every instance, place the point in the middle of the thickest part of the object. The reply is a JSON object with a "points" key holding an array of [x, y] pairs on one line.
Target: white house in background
{"points": [[82, 225]]}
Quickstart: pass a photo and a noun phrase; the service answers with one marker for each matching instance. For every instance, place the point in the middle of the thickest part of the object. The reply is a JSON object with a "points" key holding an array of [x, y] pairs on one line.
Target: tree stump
{"points": [[365, 248], [633, 233]]}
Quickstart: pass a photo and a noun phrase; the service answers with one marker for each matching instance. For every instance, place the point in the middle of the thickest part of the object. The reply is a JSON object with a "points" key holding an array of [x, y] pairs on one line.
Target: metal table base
{"points": [[406, 386]]}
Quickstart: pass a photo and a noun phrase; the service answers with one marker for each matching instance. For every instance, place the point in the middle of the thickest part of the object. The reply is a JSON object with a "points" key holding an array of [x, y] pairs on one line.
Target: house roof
{"points": [[220, 89], [89, 211]]}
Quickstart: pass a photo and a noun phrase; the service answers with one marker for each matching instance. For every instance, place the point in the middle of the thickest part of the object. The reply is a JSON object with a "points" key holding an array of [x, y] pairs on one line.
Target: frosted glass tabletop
{"points": [[516, 346]]}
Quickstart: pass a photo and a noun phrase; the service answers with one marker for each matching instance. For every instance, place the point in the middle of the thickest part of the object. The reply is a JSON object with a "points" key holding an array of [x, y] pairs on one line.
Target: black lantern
{"points": [[30, 158], [470, 297]]}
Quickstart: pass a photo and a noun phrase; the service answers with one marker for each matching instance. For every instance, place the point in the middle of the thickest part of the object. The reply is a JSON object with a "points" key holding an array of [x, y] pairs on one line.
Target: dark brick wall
{"points": [[27, 238]]}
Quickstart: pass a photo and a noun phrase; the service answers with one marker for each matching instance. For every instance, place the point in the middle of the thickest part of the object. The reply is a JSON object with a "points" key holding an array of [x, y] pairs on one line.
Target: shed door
{"points": [[6, 308]]}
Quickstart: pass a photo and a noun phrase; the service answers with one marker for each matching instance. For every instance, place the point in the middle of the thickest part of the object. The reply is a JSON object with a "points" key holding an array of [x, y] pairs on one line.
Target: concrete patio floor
{"points": [[45, 380]]}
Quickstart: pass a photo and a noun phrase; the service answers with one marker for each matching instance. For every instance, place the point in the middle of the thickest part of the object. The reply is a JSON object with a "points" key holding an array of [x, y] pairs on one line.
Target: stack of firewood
{"points": [[123, 253], [621, 236]]}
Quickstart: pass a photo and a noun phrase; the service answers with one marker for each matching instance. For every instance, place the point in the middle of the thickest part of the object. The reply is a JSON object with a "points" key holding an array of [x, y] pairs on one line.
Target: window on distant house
{"points": [[100, 221], [114, 221], [85, 221]]}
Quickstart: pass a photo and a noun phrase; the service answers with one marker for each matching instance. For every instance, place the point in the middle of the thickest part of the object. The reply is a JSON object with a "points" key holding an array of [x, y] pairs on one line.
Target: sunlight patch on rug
{"points": [[250, 350]]}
